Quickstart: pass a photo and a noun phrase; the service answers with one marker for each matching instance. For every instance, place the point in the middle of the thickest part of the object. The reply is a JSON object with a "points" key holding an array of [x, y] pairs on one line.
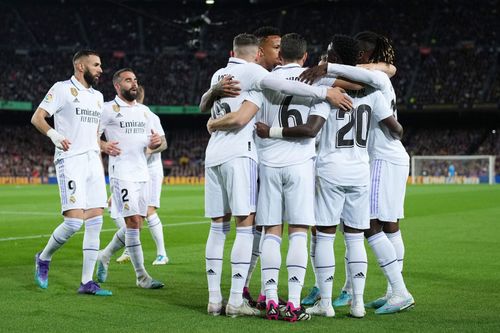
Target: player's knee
{"points": [[134, 222], [73, 224], [326, 230]]}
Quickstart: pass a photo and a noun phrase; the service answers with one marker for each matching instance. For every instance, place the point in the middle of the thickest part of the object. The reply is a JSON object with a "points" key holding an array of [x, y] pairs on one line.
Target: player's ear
{"points": [[304, 58]]}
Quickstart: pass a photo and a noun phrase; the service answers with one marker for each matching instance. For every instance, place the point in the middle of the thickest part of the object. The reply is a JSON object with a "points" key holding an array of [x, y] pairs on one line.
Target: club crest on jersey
{"points": [[145, 115], [48, 98], [98, 104], [74, 92], [116, 108]]}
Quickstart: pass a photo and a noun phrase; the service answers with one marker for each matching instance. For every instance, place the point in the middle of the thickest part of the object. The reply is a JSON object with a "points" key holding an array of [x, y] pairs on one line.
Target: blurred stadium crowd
{"points": [[447, 52]]}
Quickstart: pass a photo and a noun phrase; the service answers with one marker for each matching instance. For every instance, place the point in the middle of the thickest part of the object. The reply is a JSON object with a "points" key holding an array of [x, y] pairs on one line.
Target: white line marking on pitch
{"points": [[103, 230]]}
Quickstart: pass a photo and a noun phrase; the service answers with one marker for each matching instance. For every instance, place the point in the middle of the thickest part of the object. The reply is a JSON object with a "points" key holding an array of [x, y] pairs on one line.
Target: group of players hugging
{"points": [[318, 148]]}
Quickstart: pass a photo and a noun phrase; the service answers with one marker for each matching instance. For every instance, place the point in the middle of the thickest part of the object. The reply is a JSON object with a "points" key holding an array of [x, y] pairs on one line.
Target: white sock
{"points": [[60, 236], [241, 256], [116, 244], [255, 255], [270, 261], [296, 263], [358, 264], [312, 254], [347, 283], [120, 222], [156, 229], [214, 253], [387, 260], [397, 242], [134, 247], [325, 265], [262, 282], [91, 244]]}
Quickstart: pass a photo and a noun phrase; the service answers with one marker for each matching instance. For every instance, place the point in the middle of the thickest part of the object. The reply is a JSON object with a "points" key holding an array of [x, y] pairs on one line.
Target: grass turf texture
{"points": [[452, 268]]}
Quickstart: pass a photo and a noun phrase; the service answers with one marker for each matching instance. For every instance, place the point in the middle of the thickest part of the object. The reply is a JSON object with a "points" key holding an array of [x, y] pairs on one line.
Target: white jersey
{"points": [[77, 112], [280, 110], [383, 146], [130, 126], [226, 145], [342, 152], [154, 160]]}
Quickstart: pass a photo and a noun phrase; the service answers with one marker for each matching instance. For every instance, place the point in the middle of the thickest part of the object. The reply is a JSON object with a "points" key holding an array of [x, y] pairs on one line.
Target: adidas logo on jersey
{"points": [[76, 100], [330, 279], [119, 115], [237, 276], [294, 279], [211, 272], [270, 281], [359, 275]]}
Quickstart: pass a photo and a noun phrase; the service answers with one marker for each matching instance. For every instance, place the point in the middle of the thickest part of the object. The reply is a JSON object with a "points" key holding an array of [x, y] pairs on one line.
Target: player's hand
{"points": [[154, 141], [227, 87], [310, 75], [262, 130], [58, 139], [111, 148], [336, 97]]}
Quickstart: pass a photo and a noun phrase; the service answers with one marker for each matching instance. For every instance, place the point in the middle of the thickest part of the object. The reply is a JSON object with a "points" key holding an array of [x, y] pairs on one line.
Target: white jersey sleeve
{"points": [[375, 79], [294, 88], [54, 100]]}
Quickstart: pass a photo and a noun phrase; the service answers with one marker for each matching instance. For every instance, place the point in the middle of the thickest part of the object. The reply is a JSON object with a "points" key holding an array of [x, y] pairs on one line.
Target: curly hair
{"points": [[380, 45]]}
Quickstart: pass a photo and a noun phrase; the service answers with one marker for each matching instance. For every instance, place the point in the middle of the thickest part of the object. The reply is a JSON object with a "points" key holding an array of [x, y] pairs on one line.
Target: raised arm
{"points": [[388, 69], [226, 87], [356, 74], [335, 96]]}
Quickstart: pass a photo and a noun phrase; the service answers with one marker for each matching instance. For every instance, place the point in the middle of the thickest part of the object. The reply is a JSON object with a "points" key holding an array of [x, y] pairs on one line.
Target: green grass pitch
{"points": [[452, 268]]}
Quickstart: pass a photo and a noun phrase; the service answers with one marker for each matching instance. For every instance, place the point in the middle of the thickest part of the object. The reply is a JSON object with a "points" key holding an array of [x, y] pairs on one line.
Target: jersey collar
{"points": [[120, 102], [292, 65], [235, 61], [80, 86]]}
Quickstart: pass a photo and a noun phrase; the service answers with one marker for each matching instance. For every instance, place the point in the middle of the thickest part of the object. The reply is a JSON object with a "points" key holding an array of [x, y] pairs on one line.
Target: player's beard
{"points": [[129, 95], [89, 78]]}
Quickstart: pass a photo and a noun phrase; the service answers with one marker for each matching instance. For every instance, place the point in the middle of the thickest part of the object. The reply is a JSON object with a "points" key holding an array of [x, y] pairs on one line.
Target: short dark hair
{"points": [[117, 74], [263, 32], [245, 39], [345, 49], [293, 46], [380, 45], [84, 53]]}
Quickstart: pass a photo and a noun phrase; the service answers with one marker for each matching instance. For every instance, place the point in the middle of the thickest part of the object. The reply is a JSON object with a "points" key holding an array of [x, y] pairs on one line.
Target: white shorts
{"points": [[387, 192], [129, 198], [286, 193], [113, 210], [154, 187], [333, 202], [81, 182], [231, 188]]}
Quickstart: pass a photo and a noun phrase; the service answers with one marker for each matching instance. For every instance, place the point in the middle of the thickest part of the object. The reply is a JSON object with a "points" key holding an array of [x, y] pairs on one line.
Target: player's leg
{"points": [[256, 246], [313, 294], [216, 208], [269, 215], [300, 215], [240, 175], [154, 223], [156, 228], [329, 201], [356, 215], [345, 296], [118, 240], [72, 205]]}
